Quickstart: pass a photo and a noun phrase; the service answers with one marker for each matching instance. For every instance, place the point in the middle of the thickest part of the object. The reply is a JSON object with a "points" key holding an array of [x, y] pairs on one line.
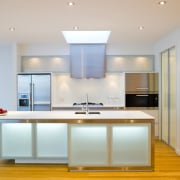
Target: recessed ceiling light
{"points": [[71, 3], [75, 27], [12, 29], [162, 3], [141, 28]]}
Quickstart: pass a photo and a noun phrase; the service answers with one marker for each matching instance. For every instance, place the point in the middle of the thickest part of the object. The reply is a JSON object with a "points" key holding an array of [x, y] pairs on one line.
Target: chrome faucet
{"points": [[87, 105]]}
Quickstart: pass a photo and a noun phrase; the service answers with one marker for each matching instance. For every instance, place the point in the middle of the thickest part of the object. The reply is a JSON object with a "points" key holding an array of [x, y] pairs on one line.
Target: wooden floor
{"points": [[167, 166]]}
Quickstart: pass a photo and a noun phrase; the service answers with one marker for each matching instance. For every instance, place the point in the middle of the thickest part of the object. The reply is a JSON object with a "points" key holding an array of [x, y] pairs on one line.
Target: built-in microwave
{"points": [[141, 100]]}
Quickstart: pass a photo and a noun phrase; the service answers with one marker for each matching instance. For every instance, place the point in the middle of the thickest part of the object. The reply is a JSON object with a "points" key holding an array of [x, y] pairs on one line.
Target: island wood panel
{"points": [[167, 167]]}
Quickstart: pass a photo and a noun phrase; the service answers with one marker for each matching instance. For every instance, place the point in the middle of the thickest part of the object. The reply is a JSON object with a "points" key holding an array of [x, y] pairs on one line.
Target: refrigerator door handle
{"points": [[32, 86], [30, 98]]}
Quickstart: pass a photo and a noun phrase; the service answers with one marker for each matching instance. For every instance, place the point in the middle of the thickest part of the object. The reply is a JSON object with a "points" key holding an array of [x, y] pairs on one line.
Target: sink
{"points": [[84, 112], [94, 112], [80, 112]]}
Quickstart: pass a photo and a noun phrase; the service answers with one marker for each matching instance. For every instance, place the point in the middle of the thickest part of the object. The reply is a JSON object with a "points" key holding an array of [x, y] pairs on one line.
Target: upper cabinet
{"points": [[87, 60], [129, 63], [54, 64], [141, 82]]}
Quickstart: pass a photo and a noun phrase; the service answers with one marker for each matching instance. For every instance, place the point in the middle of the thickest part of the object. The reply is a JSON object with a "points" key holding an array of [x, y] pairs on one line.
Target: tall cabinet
{"points": [[168, 92]]}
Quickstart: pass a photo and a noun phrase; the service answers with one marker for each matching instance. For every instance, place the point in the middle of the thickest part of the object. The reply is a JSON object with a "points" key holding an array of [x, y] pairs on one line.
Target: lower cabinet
{"points": [[155, 114], [51, 140], [126, 145], [88, 145], [33, 141], [131, 145], [16, 140]]}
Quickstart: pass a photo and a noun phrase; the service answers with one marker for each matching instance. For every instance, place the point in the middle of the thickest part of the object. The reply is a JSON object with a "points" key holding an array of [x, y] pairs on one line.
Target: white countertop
{"points": [[67, 115]]}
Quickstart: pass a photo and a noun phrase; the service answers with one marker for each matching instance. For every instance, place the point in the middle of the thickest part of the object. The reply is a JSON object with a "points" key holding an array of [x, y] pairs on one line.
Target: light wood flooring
{"points": [[167, 166]]}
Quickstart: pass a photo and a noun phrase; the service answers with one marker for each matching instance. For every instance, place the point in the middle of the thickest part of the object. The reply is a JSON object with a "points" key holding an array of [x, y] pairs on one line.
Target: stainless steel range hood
{"points": [[87, 60]]}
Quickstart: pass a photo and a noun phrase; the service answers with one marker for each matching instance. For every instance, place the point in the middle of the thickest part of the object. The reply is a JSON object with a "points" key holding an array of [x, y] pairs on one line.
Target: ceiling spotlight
{"points": [[75, 27], [141, 28], [162, 2], [71, 3], [12, 29]]}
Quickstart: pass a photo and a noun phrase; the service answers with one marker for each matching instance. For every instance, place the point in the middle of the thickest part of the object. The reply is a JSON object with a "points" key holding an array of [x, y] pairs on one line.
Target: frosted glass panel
{"points": [[131, 145], [129, 63], [88, 145], [45, 64], [172, 94], [17, 140], [52, 140], [165, 100], [168, 60]]}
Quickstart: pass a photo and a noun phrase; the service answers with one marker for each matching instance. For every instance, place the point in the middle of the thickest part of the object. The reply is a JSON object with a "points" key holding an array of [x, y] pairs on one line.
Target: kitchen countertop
{"points": [[71, 117]]}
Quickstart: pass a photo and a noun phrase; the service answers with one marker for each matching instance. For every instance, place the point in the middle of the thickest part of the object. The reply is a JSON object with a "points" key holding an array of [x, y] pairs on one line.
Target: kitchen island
{"points": [[100, 141]]}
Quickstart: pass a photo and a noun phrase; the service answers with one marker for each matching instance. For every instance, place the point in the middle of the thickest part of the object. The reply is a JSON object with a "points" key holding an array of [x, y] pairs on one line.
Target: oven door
{"points": [[141, 100]]}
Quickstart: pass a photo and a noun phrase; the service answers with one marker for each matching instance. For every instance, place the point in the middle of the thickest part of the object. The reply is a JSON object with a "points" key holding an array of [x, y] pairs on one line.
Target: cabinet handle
{"points": [[142, 88], [142, 95]]}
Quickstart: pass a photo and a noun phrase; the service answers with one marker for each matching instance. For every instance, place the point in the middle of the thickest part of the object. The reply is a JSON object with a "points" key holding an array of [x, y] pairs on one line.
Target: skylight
{"points": [[84, 37]]}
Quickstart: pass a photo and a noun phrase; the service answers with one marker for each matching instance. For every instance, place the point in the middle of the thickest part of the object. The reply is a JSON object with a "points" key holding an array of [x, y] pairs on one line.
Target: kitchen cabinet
{"points": [[26, 142], [55, 64], [132, 139], [94, 140], [155, 114], [113, 146], [89, 145], [51, 140], [16, 140], [141, 82], [129, 63], [87, 60]]}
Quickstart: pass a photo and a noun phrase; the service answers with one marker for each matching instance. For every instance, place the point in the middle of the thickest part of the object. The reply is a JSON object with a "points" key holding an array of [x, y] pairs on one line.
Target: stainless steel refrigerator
{"points": [[34, 92]]}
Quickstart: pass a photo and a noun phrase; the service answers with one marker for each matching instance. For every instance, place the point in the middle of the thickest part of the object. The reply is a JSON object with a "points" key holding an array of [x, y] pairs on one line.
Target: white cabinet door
{"points": [[16, 140], [51, 140]]}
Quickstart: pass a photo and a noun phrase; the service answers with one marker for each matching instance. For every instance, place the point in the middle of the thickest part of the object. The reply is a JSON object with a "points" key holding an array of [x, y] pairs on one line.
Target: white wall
{"points": [[171, 40], [43, 50], [8, 66], [125, 49]]}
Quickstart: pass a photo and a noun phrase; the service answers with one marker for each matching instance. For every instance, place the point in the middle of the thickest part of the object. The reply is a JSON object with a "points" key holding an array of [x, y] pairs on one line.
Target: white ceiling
{"points": [[41, 21]]}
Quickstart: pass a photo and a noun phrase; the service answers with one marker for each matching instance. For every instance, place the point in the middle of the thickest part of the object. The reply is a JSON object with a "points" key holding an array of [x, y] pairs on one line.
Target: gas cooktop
{"points": [[89, 103]]}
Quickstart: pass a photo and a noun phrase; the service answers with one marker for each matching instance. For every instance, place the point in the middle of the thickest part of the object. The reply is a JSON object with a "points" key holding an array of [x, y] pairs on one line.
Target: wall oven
{"points": [[141, 100], [141, 89]]}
